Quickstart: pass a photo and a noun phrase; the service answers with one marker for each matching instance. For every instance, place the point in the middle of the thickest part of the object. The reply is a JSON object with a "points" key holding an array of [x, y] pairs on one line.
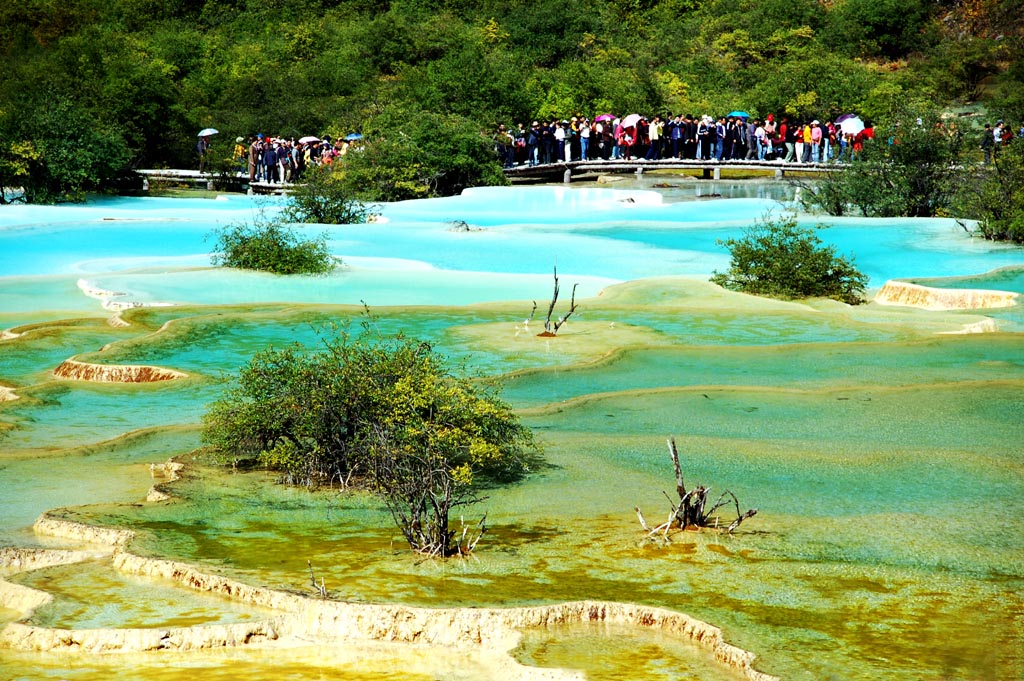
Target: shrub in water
{"points": [[778, 258], [270, 247]]}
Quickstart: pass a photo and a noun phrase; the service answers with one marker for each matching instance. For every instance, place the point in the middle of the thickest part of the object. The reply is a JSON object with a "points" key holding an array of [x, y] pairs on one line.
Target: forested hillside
{"points": [[130, 82]]}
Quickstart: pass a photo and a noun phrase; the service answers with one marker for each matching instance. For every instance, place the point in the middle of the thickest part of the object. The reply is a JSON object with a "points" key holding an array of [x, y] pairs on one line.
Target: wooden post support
{"points": [[779, 173], [567, 176], [718, 173]]}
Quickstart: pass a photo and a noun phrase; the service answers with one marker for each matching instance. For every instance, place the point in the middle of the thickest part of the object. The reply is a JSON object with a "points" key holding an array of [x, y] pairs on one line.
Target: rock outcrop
{"points": [[25, 637], [107, 537], [115, 373], [14, 559], [914, 295], [107, 298]]}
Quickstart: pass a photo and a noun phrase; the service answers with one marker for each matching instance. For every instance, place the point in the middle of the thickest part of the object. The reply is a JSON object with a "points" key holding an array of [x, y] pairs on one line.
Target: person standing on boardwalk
{"points": [[815, 141], [269, 163], [239, 155], [807, 140], [202, 150], [532, 144], [585, 131], [753, 143], [254, 158], [654, 134], [720, 138]]}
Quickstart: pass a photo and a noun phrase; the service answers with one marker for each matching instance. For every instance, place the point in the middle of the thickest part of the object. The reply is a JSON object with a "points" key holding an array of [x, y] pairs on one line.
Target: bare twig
{"points": [[643, 523], [572, 308], [674, 453], [320, 588]]}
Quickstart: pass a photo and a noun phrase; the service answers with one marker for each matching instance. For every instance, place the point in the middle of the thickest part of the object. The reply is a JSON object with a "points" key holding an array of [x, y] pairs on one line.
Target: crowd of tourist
{"points": [[278, 160], [684, 136]]}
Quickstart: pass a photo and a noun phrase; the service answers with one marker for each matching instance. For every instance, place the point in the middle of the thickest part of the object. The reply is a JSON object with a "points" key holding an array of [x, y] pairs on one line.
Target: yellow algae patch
{"points": [[494, 631], [576, 342], [691, 293]]}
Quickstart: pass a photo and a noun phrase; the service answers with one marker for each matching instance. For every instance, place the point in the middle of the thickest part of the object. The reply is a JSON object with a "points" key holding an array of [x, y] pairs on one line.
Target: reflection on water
{"points": [[884, 458]]}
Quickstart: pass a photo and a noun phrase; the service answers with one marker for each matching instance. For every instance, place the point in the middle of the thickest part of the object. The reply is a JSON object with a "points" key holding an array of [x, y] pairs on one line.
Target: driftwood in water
{"points": [[551, 329], [691, 512]]}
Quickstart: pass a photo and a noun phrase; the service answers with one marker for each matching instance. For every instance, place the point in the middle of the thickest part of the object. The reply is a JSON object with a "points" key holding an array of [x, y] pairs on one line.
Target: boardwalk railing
{"points": [[548, 172], [567, 171]]}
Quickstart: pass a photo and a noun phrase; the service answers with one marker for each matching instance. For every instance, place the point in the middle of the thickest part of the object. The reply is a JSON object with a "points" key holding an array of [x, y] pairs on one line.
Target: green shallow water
{"points": [[880, 468], [885, 461]]}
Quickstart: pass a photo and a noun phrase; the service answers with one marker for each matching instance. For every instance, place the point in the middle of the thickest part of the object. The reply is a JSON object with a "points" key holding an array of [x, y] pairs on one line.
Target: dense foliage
{"points": [[415, 155], [268, 246], [911, 168], [996, 197], [381, 410], [778, 258], [133, 81]]}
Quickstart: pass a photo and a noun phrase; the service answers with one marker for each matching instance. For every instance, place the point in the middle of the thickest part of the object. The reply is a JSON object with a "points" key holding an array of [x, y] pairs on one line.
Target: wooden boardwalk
{"points": [[211, 181], [523, 174], [711, 170]]}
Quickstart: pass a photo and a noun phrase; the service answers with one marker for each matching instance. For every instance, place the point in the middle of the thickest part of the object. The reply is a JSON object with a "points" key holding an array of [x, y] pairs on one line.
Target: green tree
{"points": [[994, 196], [385, 411], [415, 154], [60, 152], [268, 246], [780, 259]]}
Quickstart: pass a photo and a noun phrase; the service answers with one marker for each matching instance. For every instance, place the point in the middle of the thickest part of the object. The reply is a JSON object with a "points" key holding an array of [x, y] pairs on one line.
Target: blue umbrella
{"points": [[352, 136], [739, 114]]}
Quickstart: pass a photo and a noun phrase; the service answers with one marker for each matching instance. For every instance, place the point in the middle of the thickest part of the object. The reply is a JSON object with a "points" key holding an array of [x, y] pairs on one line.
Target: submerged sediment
{"points": [[925, 297], [115, 373], [303, 618]]}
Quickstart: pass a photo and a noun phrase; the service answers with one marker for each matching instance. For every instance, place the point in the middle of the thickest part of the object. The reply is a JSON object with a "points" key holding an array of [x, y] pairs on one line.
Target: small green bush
{"points": [[323, 199], [270, 247], [780, 259]]}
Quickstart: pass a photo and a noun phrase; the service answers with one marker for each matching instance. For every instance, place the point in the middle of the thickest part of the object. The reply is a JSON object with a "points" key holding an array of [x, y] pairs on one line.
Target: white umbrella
{"points": [[308, 139], [852, 126], [206, 132], [631, 120]]}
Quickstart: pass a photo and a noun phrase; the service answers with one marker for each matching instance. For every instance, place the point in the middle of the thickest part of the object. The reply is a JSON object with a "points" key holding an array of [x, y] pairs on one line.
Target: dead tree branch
{"points": [[551, 307], [551, 328], [691, 512]]}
